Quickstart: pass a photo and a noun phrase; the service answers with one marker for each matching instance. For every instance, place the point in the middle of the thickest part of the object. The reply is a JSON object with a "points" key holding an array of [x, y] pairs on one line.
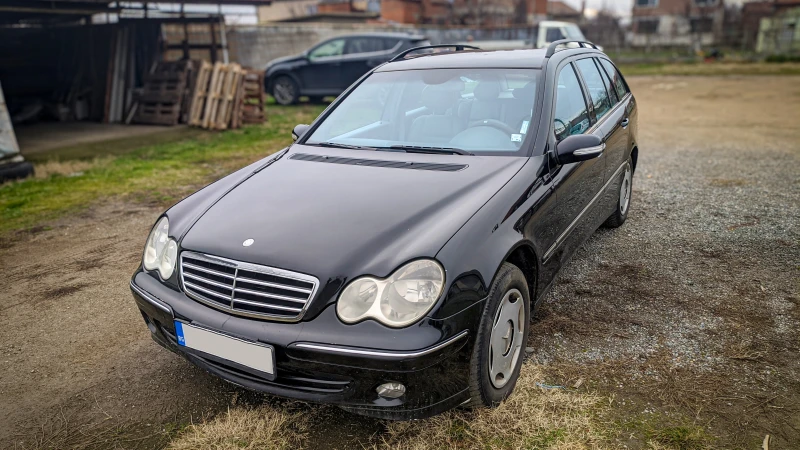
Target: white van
{"points": [[546, 31]]}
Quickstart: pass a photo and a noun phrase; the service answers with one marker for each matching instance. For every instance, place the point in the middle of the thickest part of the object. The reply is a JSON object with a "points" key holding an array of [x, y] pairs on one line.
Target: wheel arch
{"points": [[524, 257], [634, 158], [279, 73]]}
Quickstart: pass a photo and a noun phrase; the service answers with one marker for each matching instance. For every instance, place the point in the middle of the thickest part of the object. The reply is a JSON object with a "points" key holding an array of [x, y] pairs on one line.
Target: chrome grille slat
{"points": [[207, 281], [207, 291], [262, 305], [273, 285], [250, 290], [203, 269], [268, 295]]}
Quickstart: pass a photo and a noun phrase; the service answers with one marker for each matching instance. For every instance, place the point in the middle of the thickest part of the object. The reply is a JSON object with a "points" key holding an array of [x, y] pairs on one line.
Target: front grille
{"points": [[246, 289]]}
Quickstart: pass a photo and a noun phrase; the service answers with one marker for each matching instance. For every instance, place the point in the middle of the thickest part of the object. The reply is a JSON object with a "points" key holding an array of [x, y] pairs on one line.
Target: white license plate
{"points": [[256, 356]]}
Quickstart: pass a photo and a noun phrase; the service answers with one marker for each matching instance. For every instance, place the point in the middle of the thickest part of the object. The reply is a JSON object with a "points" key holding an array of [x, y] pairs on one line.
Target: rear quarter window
{"points": [[616, 78]]}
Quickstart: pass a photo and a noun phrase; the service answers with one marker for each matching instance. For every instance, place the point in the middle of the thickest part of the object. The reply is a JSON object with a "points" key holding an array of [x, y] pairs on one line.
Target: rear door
{"points": [[608, 112], [621, 117], [575, 184], [363, 53]]}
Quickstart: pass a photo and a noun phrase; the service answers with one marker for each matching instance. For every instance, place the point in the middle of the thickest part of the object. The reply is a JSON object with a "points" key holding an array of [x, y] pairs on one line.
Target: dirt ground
{"points": [[689, 312]]}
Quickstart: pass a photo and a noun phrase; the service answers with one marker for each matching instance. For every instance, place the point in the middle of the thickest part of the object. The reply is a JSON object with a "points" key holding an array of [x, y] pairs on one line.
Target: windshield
{"points": [[485, 111]]}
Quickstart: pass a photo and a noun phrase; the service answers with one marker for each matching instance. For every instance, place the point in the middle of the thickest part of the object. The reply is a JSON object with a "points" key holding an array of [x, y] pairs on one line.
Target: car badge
{"points": [[247, 243]]}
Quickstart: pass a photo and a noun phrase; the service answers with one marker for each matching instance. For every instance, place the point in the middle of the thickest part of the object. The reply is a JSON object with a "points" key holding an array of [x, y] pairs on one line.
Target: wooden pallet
{"points": [[230, 88], [200, 94], [251, 109], [161, 100]]}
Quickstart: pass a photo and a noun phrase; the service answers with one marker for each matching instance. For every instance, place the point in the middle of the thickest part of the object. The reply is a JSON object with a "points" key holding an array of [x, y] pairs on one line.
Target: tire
{"points": [[618, 217], [285, 90], [490, 382]]}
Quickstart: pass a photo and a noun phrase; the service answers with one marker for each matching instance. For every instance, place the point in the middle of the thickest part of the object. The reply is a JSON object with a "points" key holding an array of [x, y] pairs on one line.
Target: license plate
{"points": [[254, 355]]}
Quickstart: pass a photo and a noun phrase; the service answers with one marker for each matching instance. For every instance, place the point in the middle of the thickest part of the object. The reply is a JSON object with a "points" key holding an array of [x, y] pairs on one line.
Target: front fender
{"points": [[475, 253]]}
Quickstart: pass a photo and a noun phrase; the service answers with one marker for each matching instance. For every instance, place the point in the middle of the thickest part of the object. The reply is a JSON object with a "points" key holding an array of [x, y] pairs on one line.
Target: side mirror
{"points": [[299, 130], [579, 147]]}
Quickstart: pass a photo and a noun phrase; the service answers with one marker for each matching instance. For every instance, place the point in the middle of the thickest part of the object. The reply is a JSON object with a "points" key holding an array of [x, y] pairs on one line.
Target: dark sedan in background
{"points": [[328, 68]]}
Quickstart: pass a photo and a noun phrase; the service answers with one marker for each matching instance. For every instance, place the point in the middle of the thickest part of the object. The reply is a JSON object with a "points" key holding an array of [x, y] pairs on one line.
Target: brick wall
{"points": [[401, 11]]}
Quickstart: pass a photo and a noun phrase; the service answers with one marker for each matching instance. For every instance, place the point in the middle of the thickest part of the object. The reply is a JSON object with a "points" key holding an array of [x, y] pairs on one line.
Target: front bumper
{"points": [[316, 361]]}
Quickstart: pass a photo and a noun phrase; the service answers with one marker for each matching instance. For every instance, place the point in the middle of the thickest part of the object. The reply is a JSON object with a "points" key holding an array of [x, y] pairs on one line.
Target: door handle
{"points": [[625, 122]]}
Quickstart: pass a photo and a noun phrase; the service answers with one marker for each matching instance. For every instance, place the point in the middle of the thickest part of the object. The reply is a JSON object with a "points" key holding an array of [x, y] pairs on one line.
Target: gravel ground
{"points": [[692, 306], [689, 312]]}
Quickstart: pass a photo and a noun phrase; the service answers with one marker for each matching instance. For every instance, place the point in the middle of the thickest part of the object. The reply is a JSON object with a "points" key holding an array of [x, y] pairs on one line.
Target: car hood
{"points": [[340, 220], [284, 59]]}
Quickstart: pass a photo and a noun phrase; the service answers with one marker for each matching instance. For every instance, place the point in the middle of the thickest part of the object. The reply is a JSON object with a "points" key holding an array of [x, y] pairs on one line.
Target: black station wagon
{"points": [[390, 260]]}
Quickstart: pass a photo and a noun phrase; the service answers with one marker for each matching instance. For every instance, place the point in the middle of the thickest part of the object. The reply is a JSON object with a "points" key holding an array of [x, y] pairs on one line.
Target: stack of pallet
{"points": [[250, 99], [226, 96], [161, 100]]}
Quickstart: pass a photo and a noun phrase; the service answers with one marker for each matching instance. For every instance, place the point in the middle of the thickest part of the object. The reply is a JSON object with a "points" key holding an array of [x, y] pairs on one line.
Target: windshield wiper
{"points": [[421, 149], [338, 145]]}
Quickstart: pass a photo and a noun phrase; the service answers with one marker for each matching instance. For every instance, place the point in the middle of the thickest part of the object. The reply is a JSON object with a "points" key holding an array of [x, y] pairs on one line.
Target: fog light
{"points": [[391, 390]]}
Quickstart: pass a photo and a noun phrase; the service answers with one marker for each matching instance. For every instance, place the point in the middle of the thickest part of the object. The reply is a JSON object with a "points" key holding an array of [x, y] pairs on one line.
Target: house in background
{"points": [[280, 10], [558, 10], [780, 33], [676, 23]]}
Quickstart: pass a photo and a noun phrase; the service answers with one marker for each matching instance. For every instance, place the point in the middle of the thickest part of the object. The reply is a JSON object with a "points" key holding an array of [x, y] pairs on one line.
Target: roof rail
{"points": [[458, 47], [551, 49]]}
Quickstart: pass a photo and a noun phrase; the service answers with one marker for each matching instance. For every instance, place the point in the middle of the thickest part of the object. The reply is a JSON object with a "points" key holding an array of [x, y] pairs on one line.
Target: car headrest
{"points": [[525, 92], [441, 97], [487, 90]]}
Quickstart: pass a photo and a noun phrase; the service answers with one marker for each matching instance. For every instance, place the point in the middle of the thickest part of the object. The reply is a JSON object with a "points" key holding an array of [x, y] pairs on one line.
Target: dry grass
{"points": [[265, 427], [69, 168], [531, 418]]}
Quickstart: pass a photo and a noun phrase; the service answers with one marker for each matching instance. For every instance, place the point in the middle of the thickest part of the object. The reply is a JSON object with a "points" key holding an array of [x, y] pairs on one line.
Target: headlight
{"points": [[160, 252], [400, 300]]}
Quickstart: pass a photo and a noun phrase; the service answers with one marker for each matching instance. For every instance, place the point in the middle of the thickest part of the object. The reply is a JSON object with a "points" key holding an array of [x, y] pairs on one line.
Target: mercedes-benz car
{"points": [[390, 260]]}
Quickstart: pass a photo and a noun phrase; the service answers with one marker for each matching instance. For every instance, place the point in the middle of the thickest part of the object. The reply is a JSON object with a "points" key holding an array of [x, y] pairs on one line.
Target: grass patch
{"points": [[265, 427], [532, 418], [160, 173], [680, 438], [711, 68]]}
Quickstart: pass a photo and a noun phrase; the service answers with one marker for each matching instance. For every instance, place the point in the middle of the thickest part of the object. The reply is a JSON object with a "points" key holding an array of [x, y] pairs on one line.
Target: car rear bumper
{"points": [[436, 376]]}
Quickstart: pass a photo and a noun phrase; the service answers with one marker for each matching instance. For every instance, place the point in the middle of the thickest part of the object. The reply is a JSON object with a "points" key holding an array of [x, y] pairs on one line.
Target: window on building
{"points": [[705, 2], [701, 24], [572, 116], [647, 25], [646, 3], [596, 87]]}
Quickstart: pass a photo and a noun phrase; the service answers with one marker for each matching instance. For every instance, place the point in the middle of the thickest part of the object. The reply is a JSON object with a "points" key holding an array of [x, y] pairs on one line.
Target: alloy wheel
{"points": [[284, 91], [505, 342]]}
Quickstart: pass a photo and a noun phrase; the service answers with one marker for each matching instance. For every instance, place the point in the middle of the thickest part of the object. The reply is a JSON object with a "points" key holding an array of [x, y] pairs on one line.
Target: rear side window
{"points": [[571, 116], [612, 93], [389, 43], [595, 86], [364, 45], [616, 79]]}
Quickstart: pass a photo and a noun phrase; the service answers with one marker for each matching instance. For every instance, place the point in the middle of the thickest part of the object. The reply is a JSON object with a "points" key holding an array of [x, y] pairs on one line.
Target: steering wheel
{"points": [[556, 122], [494, 123]]}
